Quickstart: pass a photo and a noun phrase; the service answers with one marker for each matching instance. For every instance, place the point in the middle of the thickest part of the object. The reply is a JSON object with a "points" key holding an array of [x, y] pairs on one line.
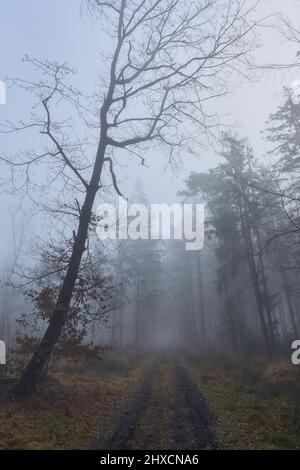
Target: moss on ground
{"points": [[255, 405], [73, 410]]}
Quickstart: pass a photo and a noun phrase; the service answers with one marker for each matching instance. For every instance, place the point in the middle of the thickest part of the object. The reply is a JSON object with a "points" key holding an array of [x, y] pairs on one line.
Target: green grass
{"points": [[256, 406], [72, 407]]}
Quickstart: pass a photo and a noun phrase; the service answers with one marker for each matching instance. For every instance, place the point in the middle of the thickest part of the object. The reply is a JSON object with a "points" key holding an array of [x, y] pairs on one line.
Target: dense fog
{"points": [[162, 123]]}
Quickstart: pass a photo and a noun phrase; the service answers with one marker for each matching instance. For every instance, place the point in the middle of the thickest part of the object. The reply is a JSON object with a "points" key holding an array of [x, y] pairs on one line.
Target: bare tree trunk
{"points": [[266, 292], [229, 314], [283, 324], [138, 309], [289, 303], [34, 369], [201, 302], [114, 330], [246, 231], [191, 335], [121, 328]]}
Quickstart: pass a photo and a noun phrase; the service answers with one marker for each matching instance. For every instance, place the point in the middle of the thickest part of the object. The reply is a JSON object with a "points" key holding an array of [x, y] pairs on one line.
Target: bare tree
{"points": [[168, 59], [290, 32]]}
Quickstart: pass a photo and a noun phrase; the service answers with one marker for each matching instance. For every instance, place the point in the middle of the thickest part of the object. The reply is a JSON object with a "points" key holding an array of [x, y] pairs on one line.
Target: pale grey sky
{"points": [[56, 30]]}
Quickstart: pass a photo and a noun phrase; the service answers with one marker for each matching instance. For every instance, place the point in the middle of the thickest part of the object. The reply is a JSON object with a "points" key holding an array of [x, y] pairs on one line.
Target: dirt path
{"points": [[125, 429], [167, 412], [198, 413]]}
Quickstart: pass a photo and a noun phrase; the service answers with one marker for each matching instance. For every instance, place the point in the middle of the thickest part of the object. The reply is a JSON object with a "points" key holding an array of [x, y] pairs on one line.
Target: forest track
{"points": [[168, 411], [198, 413], [126, 427]]}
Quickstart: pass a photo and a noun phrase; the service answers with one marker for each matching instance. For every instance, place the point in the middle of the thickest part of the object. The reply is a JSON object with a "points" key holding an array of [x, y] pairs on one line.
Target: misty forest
{"points": [[138, 342]]}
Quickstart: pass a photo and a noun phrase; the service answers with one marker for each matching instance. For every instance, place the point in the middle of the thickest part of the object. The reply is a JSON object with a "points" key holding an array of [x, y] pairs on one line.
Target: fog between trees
{"points": [[167, 66]]}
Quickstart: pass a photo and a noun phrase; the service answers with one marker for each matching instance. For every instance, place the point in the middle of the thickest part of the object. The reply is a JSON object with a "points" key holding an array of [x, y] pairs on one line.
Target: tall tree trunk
{"points": [[267, 304], [289, 302], [138, 309], [282, 317], [201, 302], [121, 328], [114, 330], [40, 358], [191, 334], [246, 231], [34, 370]]}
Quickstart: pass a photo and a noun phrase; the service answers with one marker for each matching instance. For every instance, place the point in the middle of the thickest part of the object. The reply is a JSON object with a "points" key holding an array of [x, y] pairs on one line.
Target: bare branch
{"points": [[113, 175]]}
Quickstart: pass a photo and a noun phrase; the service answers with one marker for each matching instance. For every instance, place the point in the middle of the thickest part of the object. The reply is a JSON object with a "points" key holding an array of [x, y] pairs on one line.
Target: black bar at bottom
{"points": [[134, 459]]}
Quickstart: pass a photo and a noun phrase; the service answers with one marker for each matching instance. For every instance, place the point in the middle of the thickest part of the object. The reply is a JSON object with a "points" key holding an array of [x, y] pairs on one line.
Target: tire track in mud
{"points": [[126, 427], [182, 431], [199, 415], [154, 427], [166, 398]]}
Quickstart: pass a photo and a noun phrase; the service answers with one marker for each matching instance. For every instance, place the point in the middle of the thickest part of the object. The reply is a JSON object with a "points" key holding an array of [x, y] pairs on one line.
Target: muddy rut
{"points": [[168, 411]]}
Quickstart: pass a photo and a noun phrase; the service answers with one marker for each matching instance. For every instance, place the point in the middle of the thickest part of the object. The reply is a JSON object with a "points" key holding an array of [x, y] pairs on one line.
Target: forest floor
{"points": [[159, 402]]}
